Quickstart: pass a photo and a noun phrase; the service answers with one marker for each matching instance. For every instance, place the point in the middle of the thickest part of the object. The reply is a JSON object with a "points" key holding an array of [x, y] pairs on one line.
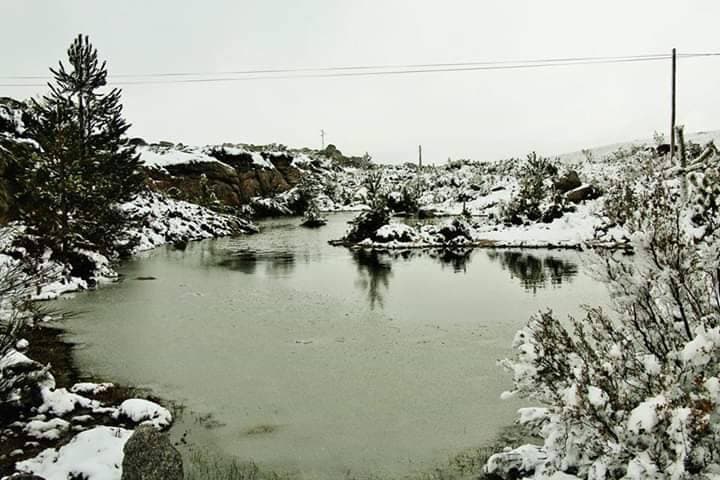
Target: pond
{"points": [[319, 360]]}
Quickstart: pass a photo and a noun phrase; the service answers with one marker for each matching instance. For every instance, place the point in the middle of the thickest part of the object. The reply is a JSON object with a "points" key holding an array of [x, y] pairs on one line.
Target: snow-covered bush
{"points": [[13, 300], [633, 392], [18, 282], [635, 183], [18, 376], [375, 187], [367, 223], [535, 187]]}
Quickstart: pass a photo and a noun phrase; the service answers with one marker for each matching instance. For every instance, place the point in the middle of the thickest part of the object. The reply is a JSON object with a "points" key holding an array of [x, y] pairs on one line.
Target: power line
{"points": [[372, 70], [352, 67]]}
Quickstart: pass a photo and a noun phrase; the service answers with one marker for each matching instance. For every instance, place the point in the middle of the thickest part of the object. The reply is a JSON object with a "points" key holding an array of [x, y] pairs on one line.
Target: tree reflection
{"points": [[458, 258], [534, 272], [374, 271]]}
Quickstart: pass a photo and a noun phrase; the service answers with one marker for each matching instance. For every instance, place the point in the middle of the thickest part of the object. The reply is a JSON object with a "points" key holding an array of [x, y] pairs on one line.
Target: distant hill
{"points": [[701, 138]]}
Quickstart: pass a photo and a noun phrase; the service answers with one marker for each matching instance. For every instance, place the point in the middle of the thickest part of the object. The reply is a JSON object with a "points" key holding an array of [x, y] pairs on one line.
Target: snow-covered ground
{"points": [[94, 454], [95, 451], [484, 190]]}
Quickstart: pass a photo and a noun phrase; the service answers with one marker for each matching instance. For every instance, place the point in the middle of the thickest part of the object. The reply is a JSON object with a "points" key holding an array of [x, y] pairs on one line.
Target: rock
{"points": [[235, 180], [25, 476], [567, 182], [517, 463], [138, 410], [149, 455], [585, 192], [138, 141]]}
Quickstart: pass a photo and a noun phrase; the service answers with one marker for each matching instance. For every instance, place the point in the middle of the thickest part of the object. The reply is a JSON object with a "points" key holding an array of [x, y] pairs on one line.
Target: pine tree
{"points": [[86, 166]]}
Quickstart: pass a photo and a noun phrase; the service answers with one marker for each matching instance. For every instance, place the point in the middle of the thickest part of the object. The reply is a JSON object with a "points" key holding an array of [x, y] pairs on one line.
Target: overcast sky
{"points": [[479, 115]]}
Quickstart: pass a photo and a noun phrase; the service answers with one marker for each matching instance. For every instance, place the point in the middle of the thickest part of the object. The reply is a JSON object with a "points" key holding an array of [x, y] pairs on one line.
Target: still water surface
{"points": [[319, 360]]}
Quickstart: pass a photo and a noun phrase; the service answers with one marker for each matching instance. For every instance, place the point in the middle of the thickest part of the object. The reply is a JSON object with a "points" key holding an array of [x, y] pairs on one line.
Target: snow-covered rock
{"points": [[94, 454], [145, 412], [90, 388]]}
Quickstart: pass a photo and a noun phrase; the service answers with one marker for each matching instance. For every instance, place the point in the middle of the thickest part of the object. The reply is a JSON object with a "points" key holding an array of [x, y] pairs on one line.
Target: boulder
{"points": [[584, 192], [149, 455], [567, 182]]}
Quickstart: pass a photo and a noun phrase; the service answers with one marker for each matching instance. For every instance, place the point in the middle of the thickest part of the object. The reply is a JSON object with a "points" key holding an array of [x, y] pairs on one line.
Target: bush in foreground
{"points": [[635, 392]]}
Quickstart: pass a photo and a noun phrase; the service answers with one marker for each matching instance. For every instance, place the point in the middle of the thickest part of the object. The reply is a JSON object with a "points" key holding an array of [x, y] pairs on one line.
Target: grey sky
{"points": [[480, 115]]}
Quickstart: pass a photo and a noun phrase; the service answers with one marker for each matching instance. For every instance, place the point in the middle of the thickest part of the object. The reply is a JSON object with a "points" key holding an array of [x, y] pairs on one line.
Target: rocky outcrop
{"points": [[149, 455], [235, 178]]}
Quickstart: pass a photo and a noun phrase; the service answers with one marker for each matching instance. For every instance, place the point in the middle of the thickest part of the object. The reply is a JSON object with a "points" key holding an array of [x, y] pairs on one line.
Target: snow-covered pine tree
{"points": [[87, 167]]}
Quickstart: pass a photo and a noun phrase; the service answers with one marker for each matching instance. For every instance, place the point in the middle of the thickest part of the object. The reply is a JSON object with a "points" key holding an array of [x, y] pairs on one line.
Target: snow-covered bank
{"points": [[94, 454], [38, 418], [46, 417], [578, 230], [164, 220], [158, 221]]}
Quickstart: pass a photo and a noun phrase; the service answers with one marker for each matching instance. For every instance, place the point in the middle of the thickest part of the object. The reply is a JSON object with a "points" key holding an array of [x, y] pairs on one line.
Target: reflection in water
{"points": [[534, 272], [375, 271], [375, 267], [457, 258], [246, 260]]}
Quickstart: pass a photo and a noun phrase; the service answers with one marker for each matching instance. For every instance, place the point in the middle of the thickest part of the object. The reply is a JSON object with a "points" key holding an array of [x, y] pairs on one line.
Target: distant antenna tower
{"points": [[322, 138], [420, 157]]}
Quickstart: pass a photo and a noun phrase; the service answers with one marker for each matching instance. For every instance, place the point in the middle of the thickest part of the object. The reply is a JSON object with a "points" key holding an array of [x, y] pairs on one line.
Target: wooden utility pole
{"points": [[322, 138], [672, 114], [683, 159], [420, 157]]}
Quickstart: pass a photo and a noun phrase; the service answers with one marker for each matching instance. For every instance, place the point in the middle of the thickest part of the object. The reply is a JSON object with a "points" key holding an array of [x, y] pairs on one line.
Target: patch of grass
{"points": [[205, 466], [467, 465]]}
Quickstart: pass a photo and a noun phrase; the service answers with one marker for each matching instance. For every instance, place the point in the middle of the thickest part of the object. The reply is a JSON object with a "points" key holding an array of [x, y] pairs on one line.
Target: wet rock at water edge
{"points": [[149, 455]]}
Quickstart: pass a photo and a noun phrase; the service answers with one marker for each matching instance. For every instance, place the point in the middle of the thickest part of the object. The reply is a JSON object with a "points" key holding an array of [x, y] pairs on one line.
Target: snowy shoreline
{"points": [[57, 429]]}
